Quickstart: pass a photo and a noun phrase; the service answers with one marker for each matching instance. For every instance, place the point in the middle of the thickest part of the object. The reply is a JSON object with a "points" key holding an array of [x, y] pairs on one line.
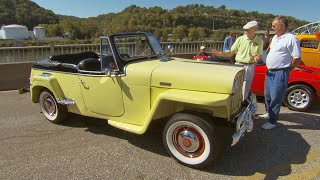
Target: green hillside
{"points": [[193, 21], [25, 12]]}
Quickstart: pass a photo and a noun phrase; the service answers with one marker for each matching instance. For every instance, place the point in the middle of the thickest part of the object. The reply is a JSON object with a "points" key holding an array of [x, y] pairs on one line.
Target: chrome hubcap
{"points": [[188, 141], [49, 105]]}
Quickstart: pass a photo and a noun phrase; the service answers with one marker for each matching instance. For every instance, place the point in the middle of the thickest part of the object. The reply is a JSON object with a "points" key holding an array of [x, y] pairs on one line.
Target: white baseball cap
{"points": [[202, 47], [250, 25]]}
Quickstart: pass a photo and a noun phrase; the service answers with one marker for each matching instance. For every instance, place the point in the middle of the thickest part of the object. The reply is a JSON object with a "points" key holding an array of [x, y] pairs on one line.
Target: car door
{"points": [[102, 94]]}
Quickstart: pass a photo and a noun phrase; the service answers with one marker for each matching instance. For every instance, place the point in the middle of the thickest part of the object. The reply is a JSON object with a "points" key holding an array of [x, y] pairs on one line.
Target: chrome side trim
{"points": [[44, 74], [91, 72], [66, 101], [46, 70]]}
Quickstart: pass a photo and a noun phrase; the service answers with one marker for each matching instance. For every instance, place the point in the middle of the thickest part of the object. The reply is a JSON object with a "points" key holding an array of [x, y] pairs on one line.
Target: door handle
{"points": [[83, 84]]}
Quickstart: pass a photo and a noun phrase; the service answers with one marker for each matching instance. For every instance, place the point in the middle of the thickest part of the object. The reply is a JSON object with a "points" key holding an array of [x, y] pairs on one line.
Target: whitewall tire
{"points": [[191, 140], [50, 108]]}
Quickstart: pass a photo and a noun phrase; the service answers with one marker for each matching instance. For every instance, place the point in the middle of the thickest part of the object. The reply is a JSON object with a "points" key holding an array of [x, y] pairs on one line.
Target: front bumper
{"points": [[244, 120]]}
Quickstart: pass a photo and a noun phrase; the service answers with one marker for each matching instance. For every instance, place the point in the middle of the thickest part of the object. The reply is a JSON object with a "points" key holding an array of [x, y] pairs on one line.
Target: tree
{"points": [[134, 18], [201, 33], [193, 34], [25, 12], [178, 33], [165, 33]]}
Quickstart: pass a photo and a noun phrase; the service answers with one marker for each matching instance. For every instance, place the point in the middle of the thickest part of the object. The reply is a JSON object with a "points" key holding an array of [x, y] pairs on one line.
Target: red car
{"points": [[303, 88]]}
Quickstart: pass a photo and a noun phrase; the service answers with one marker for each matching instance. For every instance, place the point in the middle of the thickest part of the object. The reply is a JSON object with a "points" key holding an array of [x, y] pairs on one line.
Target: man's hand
{"points": [[256, 57], [216, 53], [295, 63]]}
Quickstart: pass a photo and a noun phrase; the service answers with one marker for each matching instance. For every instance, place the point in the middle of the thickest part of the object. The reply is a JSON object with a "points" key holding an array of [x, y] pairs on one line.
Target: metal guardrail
{"points": [[35, 53]]}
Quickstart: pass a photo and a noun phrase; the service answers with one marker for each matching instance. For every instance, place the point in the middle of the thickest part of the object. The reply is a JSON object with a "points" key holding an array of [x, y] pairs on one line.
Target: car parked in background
{"points": [[303, 88], [310, 49]]}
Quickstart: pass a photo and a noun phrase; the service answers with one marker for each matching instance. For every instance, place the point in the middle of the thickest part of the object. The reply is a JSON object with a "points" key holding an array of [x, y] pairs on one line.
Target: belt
{"points": [[278, 69], [244, 63]]}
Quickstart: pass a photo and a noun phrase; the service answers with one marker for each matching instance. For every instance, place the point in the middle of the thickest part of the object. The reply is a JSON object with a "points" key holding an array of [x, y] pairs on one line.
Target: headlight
{"points": [[235, 86]]}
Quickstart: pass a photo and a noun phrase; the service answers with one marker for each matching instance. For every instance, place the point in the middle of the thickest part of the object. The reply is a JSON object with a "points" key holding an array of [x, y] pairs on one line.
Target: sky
{"points": [[303, 10]]}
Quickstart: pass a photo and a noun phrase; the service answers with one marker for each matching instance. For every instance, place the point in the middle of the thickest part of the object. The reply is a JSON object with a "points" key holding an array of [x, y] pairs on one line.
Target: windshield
{"points": [[137, 46], [105, 48]]}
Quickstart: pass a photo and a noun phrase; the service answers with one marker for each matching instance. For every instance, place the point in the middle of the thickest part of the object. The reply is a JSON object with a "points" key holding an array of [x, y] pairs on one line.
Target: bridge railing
{"points": [[35, 53]]}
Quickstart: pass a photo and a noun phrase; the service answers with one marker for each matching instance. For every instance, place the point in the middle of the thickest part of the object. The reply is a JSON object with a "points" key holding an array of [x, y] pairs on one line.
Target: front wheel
{"points": [[299, 97], [191, 140], [50, 109]]}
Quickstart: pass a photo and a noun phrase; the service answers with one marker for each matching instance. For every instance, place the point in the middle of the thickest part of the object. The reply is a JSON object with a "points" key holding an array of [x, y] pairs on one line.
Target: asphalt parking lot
{"points": [[88, 148]]}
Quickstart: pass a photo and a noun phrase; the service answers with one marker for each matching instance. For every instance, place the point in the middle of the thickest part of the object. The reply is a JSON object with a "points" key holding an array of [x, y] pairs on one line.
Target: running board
{"points": [[66, 101]]}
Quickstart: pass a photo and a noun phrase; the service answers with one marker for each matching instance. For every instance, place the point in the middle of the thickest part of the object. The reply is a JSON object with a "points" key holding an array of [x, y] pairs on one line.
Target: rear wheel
{"points": [[191, 140], [299, 97], [50, 108]]}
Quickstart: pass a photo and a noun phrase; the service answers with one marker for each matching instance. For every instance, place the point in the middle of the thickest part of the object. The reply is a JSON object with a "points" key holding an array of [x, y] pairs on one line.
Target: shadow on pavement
{"points": [[270, 153], [150, 141], [314, 108]]}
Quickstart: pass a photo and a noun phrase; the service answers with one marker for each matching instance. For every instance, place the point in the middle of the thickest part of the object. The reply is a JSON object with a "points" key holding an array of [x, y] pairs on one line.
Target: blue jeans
{"points": [[276, 85]]}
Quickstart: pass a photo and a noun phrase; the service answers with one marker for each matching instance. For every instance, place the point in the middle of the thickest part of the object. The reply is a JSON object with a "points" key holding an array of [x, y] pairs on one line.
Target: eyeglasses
{"points": [[275, 26]]}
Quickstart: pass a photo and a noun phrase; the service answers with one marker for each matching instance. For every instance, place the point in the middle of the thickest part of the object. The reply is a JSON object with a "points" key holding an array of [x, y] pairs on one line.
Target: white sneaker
{"points": [[268, 125], [264, 116]]}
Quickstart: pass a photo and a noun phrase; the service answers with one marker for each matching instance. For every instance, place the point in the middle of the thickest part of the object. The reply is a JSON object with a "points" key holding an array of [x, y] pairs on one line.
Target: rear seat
{"points": [[69, 62], [74, 58], [90, 64]]}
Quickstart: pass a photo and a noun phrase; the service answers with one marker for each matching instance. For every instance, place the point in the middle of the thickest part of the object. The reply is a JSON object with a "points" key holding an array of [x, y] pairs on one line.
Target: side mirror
{"points": [[171, 48], [107, 71]]}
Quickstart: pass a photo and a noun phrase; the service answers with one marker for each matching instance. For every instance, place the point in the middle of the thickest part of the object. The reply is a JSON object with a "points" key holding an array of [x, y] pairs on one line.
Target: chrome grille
{"points": [[236, 98]]}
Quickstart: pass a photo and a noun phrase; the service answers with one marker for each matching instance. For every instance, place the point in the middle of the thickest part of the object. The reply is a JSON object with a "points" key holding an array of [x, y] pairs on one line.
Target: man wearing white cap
{"points": [[248, 49], [202, 51]]}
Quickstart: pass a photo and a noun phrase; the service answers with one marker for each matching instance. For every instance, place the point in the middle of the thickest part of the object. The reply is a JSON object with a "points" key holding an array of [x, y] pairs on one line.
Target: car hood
{"points": [[195, 75], [309, 69]]}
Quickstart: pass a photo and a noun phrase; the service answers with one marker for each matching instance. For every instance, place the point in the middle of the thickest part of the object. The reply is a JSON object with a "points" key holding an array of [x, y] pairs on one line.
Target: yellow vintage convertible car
{"points": [[132, 82]]}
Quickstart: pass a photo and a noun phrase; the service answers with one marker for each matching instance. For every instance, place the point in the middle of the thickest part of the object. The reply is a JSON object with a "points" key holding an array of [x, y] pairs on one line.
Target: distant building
{"points": [[19, 32], [15, 31], [39, 32]]}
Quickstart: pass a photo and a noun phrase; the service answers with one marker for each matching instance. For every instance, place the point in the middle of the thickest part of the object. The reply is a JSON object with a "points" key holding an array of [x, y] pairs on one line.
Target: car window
{"points": [[154, 42], [313, 44], [133, 47], [106, 54], [105, 47]]}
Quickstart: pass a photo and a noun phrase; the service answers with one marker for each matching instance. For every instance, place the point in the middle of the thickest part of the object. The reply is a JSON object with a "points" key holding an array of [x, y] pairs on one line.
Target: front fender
{"points": [[175, 100], [194, 97], [168, 102], [48, 81]]}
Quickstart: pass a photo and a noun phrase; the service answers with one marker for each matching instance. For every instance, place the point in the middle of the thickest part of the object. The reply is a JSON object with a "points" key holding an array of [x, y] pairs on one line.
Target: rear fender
{"points": [[45, 81]]}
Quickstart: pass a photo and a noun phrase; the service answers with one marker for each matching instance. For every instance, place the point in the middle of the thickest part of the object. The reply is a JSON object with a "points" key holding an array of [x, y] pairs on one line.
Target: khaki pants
{"points": [[248, 77]]}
